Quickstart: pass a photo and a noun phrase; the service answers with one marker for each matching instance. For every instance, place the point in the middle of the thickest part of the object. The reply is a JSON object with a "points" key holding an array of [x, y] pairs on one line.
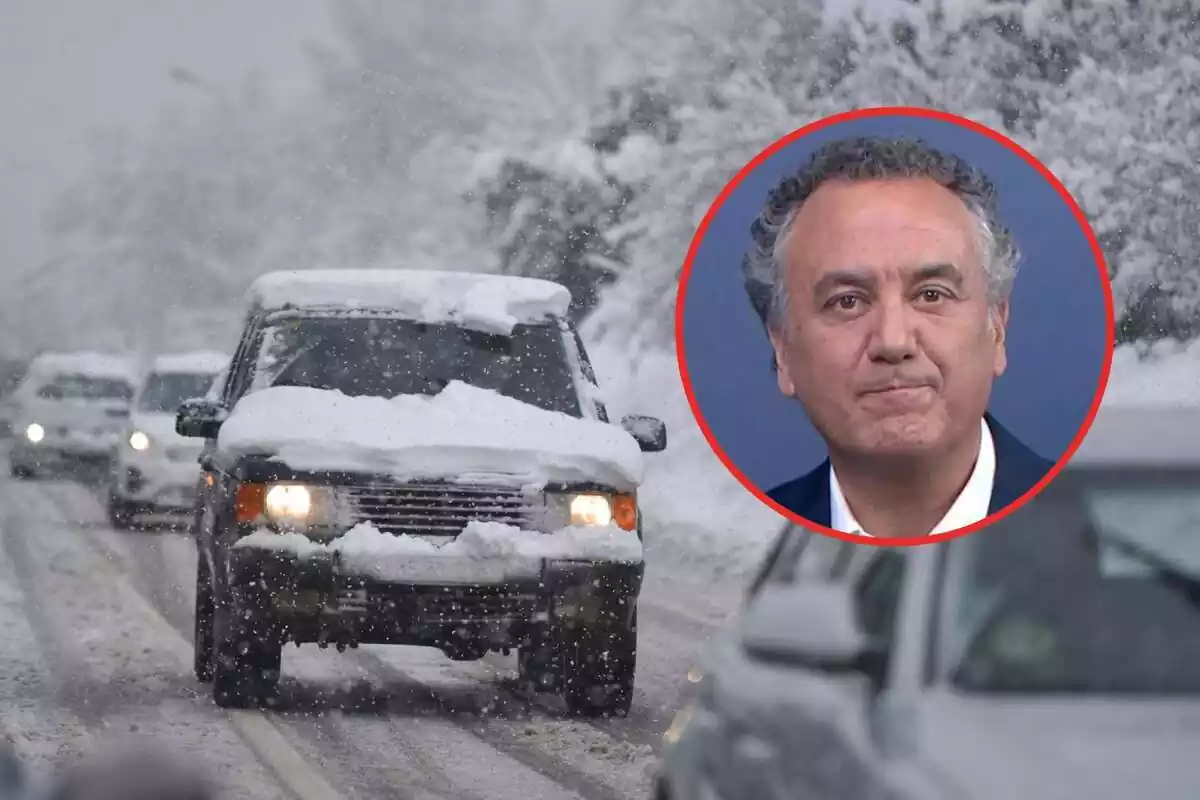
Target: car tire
{"points": [[202, 634], [536, 668], [246, 661], [598, 668]]}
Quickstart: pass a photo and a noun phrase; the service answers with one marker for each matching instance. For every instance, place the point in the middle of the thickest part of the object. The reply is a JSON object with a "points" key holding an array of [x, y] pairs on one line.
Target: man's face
{"points": [[888, 340]]}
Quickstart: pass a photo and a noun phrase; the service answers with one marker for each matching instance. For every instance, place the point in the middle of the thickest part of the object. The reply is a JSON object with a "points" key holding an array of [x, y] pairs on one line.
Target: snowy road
{"points": [[96, 652]]}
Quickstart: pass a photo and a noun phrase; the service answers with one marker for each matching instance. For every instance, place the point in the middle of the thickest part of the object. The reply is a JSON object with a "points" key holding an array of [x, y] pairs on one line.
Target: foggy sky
{"points": [[70, 66]]}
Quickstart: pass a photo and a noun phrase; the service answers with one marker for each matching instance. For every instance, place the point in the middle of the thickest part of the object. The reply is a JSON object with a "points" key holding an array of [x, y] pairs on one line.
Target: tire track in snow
{"points": [[37, 722], [127, 684]]}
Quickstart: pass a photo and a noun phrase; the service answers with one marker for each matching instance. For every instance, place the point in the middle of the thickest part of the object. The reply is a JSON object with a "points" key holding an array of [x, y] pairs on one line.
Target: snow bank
{"points": [[1168, 376], [699, 521], [484, 551], [492, 303], [202, 362], [462, 433]]}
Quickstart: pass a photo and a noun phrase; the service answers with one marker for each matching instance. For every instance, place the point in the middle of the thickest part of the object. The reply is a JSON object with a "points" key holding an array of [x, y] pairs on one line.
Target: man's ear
{"points": [[782, 374], [999, 315]]}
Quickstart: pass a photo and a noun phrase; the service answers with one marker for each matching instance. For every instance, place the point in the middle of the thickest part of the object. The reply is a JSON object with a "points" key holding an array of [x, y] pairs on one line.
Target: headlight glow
{"points": [[312, 510], [591, 510], [34, 432], [289, 503], [139, 441]]}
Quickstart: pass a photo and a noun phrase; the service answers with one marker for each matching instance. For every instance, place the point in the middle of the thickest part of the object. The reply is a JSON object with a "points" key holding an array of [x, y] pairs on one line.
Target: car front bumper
{"points": [[61, 452], [314, 599], [156, 483]]}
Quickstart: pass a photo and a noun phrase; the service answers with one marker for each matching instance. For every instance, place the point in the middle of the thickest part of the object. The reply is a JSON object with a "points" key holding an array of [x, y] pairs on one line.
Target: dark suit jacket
{"points": [[1018, 469]]}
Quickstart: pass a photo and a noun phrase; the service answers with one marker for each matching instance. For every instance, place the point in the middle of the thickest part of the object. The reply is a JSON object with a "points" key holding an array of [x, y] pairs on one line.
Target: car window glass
{"points": [[799, 554], [243, 372], [1111, 604], [589, 373], [235, 368]]}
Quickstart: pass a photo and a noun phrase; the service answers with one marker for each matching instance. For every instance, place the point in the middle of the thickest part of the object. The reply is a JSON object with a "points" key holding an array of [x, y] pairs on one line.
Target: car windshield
{"points": [[166, 392], [1093, 587], [384, 357], [85, 387]]}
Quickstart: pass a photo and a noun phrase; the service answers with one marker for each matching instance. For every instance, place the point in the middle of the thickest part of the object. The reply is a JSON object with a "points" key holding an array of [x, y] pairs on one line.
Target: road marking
{"points": [[259, 733], [275, 751]]}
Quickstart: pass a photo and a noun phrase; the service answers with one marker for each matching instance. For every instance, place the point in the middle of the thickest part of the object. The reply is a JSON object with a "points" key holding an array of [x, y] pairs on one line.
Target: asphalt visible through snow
{"points": [[95, 653]]}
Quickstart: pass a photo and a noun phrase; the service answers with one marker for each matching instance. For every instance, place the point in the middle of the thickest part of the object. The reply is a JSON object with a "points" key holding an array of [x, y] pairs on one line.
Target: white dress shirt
{"points": [[969, 507]]}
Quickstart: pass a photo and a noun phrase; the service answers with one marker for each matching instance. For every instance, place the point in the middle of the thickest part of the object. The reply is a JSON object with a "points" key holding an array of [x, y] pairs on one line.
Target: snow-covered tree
{"points": [[1122, 132]]}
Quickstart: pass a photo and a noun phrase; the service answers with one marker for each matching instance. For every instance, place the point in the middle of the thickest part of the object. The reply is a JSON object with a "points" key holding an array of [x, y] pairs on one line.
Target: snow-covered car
{"points": [[1052, 655], [69, 411], [418, 458], [155, 470]]}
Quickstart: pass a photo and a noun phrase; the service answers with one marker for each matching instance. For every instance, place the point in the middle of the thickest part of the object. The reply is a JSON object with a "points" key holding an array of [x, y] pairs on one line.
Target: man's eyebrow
{"points": [[859, 278], [945, 271]]}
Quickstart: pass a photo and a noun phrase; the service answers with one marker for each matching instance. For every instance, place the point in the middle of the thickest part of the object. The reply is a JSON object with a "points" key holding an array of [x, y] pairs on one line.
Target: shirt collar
{"points": [[969, 507]]}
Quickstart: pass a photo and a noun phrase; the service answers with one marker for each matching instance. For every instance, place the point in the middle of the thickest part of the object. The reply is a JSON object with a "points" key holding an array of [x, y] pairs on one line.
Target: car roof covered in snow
{"points": [[204, 362], [92, 364], [485, 301], [1142, 435]]}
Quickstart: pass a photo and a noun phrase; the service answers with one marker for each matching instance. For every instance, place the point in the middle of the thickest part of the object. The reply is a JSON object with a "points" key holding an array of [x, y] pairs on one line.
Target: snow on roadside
{"points": [[700, 523], [484, 551], [1169, 376], [464, 432]]}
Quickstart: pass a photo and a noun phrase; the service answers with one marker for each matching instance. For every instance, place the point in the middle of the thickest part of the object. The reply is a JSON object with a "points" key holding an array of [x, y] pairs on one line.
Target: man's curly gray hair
{"points": [[861, 159]]}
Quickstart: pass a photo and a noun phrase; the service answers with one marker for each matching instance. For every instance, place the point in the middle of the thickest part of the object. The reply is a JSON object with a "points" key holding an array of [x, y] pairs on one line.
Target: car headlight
{"points": [[34, 432], [590, 510], [139, 441], [296, 507]]}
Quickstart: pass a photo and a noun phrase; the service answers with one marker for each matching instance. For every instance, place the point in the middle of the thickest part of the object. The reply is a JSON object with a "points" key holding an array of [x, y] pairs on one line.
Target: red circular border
{"points": [[867, 113]]}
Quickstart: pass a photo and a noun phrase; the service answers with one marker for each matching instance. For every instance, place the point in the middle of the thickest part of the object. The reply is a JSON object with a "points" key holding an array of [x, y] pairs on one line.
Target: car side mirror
{"points": [[199, 419], [813, 625], [650, 432]]}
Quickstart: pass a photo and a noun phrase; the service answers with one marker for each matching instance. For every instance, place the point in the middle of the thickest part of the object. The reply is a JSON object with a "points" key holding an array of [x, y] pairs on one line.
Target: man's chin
{"points": [[902, 436]]}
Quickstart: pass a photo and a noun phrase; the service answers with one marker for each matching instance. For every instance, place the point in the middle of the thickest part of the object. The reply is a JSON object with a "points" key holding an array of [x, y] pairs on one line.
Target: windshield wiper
{"points": [[1176, 577]]}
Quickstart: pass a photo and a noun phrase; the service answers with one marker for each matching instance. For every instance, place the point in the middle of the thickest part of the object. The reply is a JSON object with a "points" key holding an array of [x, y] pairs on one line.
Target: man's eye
{"points": [[933, 295], [846, 302]]}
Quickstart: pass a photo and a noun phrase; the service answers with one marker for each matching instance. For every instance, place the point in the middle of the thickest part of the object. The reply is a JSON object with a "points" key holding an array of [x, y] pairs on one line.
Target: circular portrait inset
{"points": [[895, 326]]}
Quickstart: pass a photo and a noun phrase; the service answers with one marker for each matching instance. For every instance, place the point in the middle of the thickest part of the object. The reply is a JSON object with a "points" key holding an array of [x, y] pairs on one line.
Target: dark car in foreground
{"points": [[1051, 655]]}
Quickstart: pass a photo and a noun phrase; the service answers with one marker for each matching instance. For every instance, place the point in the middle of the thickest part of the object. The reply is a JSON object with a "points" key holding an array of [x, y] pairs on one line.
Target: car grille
{"points": [[436, 509]]}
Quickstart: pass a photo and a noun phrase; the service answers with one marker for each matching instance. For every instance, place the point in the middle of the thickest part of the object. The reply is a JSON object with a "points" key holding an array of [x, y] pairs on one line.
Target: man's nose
{"points": [[893, 338]]}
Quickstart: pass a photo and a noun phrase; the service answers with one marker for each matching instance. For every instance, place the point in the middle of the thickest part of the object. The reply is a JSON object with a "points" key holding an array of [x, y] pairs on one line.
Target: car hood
{"points": [[462, 433], [1099, 749]]}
